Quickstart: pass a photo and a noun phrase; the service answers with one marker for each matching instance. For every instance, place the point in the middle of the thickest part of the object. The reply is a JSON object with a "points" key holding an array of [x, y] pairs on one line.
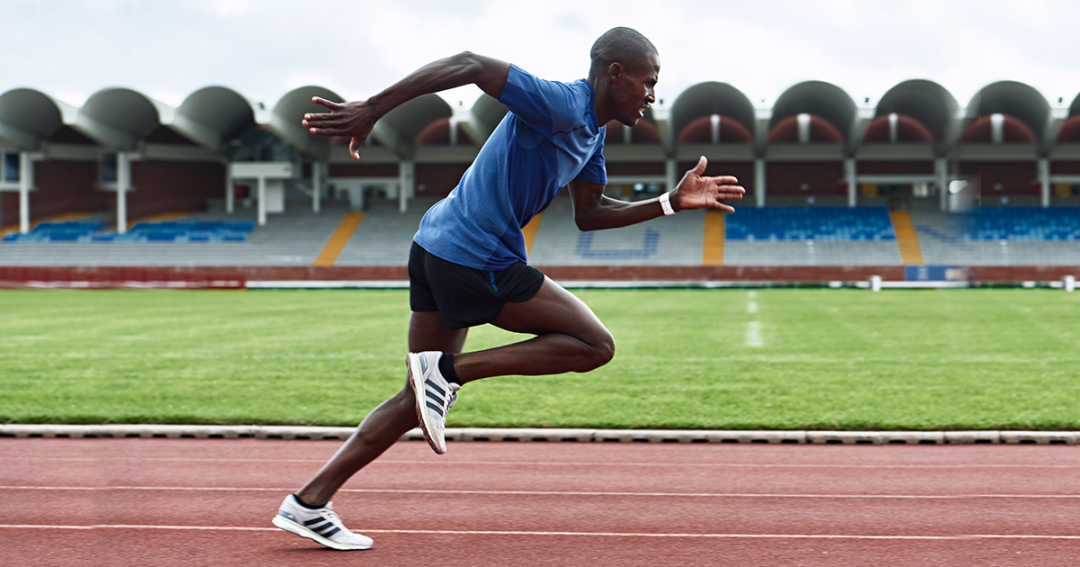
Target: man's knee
{"points": [[601, 349]]}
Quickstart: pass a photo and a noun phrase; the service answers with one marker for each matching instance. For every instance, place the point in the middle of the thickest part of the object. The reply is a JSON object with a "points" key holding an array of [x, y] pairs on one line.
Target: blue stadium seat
{"points": [[1025, 223], [169, 231], [810, 223]]}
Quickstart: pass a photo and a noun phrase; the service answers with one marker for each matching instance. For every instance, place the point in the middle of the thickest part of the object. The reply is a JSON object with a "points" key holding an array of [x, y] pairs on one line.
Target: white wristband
{"points": [[665, 203]]}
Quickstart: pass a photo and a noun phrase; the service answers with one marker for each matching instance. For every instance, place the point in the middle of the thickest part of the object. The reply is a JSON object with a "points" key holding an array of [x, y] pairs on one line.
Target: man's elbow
{"points": [[586, 223]]}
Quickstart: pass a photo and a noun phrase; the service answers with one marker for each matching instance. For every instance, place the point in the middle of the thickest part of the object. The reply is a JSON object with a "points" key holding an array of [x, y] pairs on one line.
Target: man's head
{"points": [[625, 69]]}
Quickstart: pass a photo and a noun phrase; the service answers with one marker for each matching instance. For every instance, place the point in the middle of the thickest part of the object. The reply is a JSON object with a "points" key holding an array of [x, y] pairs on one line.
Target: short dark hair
{"points": [[619, 45]]}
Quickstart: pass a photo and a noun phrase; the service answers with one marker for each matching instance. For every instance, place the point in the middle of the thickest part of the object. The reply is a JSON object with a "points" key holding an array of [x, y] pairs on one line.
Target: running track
{"points": [[164, 502]]}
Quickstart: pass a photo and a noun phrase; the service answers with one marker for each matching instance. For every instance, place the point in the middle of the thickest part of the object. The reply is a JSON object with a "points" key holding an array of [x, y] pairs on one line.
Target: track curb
{"points": [[479, 434]]}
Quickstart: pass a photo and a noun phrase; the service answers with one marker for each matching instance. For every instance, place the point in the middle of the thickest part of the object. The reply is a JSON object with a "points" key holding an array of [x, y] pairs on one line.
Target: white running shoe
{"points": [[320, 524], [434, 396]]}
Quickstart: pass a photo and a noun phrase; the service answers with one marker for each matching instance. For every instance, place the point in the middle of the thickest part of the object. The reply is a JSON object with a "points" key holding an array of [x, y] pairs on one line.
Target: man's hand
{"points": [[697, 192], [354, 119]]}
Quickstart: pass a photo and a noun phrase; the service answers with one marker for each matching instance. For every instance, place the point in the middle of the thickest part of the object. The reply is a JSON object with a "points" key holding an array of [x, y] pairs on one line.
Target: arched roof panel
{"points": [[127, 110], [488, 111], [286, 116], [706, 99], [926, 101], [1014, 99], [1074, 108], [817, 98], [411, 118], [221, 109], [28, 116]]}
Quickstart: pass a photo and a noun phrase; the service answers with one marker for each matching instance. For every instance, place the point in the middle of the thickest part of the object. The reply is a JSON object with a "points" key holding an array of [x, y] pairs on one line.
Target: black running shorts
{"points": [[464, 296]]}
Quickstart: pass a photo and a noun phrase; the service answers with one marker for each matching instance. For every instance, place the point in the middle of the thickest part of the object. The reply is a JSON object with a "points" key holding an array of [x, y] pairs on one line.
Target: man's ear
{"points": [[615, 71]]}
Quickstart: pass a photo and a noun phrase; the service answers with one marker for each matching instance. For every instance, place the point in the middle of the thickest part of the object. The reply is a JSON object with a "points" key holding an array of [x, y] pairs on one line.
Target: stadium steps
{"points": [[338, 240], [906, 238], [712, 253], [530, 230]]}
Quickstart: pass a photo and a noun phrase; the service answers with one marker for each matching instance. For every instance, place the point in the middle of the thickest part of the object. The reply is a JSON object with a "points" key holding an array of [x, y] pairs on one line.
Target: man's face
{"points": [[632, 91]]}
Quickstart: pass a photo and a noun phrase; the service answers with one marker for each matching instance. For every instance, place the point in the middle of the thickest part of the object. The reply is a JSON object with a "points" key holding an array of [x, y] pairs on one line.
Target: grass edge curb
{"points": [[551, 435]]}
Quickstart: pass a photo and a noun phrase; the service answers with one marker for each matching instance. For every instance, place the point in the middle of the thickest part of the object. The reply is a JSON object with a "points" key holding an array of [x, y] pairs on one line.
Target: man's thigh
{"points": [[552, 310]]}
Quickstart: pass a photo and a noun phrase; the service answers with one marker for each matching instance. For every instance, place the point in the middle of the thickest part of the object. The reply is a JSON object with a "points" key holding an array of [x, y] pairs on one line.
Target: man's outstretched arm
{"points": [[356, 119], [594, 211]]}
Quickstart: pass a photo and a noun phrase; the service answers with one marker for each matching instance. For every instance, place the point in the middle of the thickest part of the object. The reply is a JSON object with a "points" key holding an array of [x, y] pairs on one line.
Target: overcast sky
{"points": [[263, 48]]}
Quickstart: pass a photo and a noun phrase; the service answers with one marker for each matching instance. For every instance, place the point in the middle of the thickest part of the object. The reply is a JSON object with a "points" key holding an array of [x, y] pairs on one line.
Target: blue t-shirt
{"points": [[548, 138]]}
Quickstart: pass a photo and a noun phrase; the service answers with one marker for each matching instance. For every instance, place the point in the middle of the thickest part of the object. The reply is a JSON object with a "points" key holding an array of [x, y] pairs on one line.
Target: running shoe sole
{"points": [[297, 529], [416, 383]]}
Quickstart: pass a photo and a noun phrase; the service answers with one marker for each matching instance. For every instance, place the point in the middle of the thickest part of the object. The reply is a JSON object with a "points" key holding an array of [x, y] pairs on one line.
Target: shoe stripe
{"points": [[314, 521], [331, 532], [435, 387], [322, 527], [437, 398], [423, 363], [435, 407]]}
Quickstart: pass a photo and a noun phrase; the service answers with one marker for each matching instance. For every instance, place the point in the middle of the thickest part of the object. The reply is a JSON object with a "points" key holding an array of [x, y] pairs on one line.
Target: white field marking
{"points": [[558, 493], [445, 463], [960, 537], [752, 294], [753, 334], [751, 307]]}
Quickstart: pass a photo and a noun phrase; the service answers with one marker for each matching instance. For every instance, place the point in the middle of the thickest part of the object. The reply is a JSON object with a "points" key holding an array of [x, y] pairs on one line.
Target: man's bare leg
{"points": [[569, 338], [386, 423]]}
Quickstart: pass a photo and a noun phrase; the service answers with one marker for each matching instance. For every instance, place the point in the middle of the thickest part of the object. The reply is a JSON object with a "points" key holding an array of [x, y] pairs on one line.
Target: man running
{"points": [[468, 265]]}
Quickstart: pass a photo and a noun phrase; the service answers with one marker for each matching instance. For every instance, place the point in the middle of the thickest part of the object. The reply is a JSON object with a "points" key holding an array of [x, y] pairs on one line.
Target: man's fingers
{"points": [[354, 147], [701, 165], [725, 208], [723, 180], [329, 131], [328, 104], [323, 120]]}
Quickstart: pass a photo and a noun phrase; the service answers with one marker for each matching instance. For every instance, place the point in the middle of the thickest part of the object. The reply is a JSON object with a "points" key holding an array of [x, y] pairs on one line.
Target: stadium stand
{"points": [[831, 183], [295, 240], [1025, 223], [171, 231], [665, 241], [811, 223]]}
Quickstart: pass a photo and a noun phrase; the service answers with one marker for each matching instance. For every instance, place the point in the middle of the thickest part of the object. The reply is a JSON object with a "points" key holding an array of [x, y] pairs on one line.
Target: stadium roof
{"points": [[121, 119]]}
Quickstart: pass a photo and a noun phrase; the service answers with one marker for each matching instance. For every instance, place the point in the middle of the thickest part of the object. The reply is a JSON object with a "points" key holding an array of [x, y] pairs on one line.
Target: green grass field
{"points": [[821, 359]]}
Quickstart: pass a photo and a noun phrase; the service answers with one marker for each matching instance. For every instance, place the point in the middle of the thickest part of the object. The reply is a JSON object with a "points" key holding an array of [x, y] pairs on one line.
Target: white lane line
{"points": [[585, 463], [753, 335], [959, 537], [753, 328], [557, 493]]}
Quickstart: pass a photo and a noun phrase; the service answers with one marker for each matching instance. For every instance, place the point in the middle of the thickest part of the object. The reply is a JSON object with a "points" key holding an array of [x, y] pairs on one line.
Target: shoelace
{"points": [[329, 514]]}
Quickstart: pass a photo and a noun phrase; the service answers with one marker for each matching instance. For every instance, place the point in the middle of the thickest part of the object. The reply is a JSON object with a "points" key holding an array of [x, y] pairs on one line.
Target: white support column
{"points": [[671, 175], [849, 178], [1044, 180], [759, 182], [941, 173], [230, 192], [123, 183], [316, 184], [803, 122], [407, 182], [262, 200], [26, 183]]}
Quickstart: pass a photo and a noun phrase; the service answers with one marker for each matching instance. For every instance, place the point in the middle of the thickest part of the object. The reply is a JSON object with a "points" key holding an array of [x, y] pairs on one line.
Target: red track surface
{"points": [[118, 502]]}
